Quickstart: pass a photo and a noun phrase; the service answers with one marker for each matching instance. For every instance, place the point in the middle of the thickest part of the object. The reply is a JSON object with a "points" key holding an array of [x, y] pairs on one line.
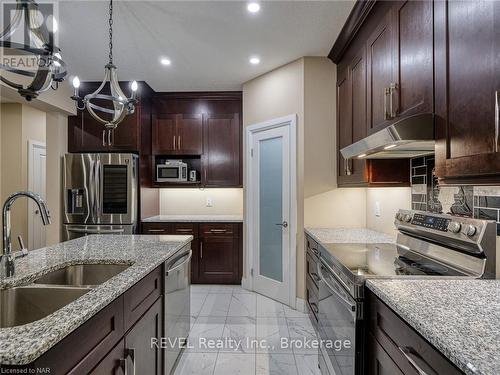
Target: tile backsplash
{"points": [[463, 200]]}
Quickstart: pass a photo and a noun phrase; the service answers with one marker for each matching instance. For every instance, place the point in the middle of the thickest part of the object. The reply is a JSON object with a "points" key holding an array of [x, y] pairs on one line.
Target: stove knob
{"points": [[398, 216], [454, 227], [471, 230], [407, 218]]}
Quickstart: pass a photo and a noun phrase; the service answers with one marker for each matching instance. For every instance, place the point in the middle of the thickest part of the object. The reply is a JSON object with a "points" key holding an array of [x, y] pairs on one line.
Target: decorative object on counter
{"points": [[38, 31], [120, 104], [480, 202]]}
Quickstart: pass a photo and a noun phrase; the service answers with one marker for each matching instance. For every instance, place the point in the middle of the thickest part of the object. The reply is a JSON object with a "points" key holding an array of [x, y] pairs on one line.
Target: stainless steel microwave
{"points": [[172, 171]]}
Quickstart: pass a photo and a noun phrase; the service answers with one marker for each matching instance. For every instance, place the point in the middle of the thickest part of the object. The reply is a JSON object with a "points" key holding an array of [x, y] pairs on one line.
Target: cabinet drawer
{"points": [[185, 228], [403, 344], [138, 299], [86, 346], [157, 228], [218, 229]]}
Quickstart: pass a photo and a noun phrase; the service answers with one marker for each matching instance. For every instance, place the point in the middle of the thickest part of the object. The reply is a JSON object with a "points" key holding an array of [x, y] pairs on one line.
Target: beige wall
{"points": [[344, 208], [319, 131], [20, 123], [193, 201], [56, 147], [390, 200]]}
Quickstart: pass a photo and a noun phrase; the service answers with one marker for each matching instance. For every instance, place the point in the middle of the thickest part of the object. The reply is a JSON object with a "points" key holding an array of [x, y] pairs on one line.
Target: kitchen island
{"points": [[144, 256]]}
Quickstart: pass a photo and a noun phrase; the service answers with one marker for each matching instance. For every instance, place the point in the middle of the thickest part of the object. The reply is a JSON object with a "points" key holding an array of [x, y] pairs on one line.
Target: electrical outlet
{"points": [[377, 208], [210, 203]]}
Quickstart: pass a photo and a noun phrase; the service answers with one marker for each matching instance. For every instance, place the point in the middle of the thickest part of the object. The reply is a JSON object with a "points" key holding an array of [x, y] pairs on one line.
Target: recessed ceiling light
{"points": [[389, 147], [165, 61], [254, 60], [253, 7]]}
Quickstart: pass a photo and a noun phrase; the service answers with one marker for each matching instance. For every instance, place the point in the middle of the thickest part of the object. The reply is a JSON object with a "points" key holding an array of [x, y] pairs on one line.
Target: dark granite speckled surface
{"points": [[23, 344], [461, 318]]}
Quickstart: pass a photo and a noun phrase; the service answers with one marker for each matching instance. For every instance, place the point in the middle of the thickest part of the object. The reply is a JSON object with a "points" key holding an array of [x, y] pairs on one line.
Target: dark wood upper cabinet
{"points": [[164, 132], [190, 134], [177, 134], [380, 73], [221, 159], [413, 58], [467, 73]]}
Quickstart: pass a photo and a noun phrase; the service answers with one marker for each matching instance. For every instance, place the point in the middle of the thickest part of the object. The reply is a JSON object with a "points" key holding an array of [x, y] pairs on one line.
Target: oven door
{"points": [[340, 327]]}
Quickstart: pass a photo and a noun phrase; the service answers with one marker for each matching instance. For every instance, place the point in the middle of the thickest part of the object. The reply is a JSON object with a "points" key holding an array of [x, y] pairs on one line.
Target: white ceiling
{"points": [[208, 42]]}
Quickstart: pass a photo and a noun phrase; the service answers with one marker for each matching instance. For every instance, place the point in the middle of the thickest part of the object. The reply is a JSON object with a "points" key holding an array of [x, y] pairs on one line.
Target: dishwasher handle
{"points": [[174, 264], [352, 305]]}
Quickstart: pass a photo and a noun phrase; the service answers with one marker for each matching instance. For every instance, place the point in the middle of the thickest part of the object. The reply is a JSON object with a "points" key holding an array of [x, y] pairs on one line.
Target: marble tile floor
{"points": [[230, 315]]}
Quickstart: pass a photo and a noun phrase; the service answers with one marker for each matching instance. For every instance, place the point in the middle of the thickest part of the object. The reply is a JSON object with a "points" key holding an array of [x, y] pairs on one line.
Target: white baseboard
{"points": [[246, 283], [300, 305]]}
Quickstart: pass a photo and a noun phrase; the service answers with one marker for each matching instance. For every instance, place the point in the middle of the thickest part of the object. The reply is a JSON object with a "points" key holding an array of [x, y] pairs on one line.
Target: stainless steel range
{"points": [[428, 245]]}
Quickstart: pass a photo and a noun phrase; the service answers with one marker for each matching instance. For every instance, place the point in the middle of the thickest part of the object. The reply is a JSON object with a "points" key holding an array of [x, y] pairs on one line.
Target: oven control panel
{"points": [[432, 222]]}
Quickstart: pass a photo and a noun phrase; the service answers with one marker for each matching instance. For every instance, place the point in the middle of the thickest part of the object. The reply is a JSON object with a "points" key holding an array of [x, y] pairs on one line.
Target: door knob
{"points": [[283, 224]]}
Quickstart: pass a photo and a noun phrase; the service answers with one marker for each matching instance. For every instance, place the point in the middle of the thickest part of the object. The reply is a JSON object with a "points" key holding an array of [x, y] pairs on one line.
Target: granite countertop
{"points": [[194, 218], [23, 344], [349, 235], [461, 318]]}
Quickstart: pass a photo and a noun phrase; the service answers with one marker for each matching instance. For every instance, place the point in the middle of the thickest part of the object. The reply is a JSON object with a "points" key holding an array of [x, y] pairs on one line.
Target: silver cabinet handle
{"points": [[348, 170], [218, 230], [111, 136], [392, 89], [386, 112], [497, 119], [156, 230], [104, 138], [179, 142], [173, 142], [184, 230], [201, 249], [314, 307], [130, 353], [413, 357]]}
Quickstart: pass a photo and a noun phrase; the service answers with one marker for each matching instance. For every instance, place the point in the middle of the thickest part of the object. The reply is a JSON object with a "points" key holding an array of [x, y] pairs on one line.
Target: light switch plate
{"points": [[377, 208]]}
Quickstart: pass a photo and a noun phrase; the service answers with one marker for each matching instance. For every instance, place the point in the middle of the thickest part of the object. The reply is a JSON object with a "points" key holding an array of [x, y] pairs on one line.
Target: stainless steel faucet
{"points": [[7, 267]]}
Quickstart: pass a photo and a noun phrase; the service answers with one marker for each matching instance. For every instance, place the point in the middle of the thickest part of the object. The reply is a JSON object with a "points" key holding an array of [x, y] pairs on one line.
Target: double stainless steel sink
{"points": [[52, 291]]}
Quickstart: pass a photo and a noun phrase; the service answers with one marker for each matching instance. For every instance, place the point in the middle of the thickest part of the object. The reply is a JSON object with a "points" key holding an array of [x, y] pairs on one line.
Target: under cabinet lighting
{"points": [[389, 147], [361, 156]]}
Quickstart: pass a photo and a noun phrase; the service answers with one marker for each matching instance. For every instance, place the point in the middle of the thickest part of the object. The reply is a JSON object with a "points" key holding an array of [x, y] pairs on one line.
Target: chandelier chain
{"points": [[110, 32]]}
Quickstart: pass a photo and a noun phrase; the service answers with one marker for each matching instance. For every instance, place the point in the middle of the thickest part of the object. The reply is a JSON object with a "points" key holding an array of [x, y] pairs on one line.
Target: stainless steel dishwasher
{"points": [[177, 310]]}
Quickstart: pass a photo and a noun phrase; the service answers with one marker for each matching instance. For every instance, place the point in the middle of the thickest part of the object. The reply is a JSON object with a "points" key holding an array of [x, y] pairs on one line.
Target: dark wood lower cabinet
{"points": [[393, 347], [217, 249], [114, 341]]}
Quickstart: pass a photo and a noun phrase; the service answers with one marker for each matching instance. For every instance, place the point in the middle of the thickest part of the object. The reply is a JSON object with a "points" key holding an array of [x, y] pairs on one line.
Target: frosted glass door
{"points": [[271, 208]]}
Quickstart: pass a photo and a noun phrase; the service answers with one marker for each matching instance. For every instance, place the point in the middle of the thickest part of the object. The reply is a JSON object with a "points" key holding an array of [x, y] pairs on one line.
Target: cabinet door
{"points": [[344, 121], [141, 355], [467, 65], [85, 134], [190, 134], [379, 362], [113, 363], [380, 59], [219, 262], [413, 58], [164, 134], [126, 136], [221, 158]]}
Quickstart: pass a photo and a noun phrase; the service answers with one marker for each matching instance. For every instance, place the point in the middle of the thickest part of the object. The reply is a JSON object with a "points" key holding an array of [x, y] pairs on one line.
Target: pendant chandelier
{"points": [[37, 29], [117, 104]]}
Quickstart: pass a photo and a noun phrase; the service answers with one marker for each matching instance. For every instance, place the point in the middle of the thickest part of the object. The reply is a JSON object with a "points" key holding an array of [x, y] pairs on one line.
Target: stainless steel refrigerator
{"points": [[100, 194]]}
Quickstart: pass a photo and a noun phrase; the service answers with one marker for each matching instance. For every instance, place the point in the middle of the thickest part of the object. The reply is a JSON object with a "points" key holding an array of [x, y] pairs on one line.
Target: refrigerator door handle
{"points": [[96, 231], [91, 189]]}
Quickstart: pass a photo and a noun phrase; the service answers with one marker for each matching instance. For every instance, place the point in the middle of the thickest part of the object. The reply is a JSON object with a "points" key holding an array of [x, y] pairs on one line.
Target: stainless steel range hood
{"points": [[412, 136]]}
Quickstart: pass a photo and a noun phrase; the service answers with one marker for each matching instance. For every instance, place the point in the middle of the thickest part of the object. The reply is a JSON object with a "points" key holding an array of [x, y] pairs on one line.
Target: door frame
{"points": [[289, 121], [32, 144]]}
